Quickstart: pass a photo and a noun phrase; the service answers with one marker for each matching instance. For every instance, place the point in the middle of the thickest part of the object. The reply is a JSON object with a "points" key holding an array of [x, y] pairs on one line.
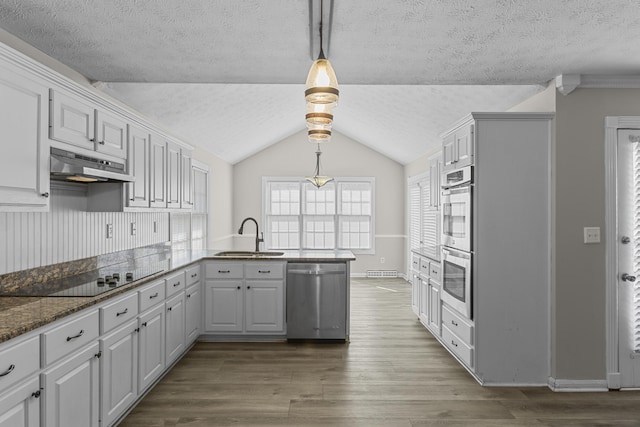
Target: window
{"points": [[338, 215]]}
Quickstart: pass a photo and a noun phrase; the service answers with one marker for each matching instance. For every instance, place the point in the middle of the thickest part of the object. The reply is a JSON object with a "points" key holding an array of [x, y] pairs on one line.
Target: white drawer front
{"points": [[264, 270], [152, 295], [175, 283], [434, 271], [415, 262], [457, 325], [456, 345], [424, 267], [193, 275], [214, 270], [18, 361], [70, 336], [118, 312]]}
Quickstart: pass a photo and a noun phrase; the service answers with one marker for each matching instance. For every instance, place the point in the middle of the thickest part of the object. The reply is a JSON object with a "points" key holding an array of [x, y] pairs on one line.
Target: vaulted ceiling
{"points": [[228, 75]]}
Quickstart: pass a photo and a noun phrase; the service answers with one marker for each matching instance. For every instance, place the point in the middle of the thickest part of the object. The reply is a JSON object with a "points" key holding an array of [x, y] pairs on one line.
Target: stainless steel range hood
{"points": [[68, 166]]}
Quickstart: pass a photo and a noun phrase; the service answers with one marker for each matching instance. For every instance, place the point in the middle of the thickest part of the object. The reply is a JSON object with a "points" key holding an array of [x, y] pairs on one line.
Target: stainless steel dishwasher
{"points": [[316, 301]]}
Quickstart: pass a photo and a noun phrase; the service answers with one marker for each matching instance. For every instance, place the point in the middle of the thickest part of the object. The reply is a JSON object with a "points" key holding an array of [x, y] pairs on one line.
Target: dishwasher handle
{"points": [[314, 272]]}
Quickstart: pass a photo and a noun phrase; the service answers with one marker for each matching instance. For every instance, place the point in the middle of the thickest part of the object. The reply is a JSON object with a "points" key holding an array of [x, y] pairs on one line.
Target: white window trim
{"points": [[368, 179]]}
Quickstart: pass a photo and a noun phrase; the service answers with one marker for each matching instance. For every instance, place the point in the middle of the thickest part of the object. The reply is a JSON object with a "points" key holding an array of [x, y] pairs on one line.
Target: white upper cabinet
{"points": [[173, 175], [111, 134], [186, 169], [158, 172], [76, 121], [139, 167], [24, 169], [457, 148]]}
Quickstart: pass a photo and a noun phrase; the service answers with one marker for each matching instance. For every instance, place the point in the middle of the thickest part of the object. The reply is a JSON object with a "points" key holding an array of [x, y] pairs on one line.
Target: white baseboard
{"points": [[560, 385]]}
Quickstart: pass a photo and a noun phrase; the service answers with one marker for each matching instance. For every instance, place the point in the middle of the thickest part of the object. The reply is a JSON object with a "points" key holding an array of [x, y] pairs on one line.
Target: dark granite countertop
{"points": [[19, 315]]}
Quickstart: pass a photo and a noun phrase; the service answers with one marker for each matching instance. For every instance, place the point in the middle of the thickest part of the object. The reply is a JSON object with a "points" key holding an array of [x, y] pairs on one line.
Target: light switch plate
{"points": [[591, 235]]}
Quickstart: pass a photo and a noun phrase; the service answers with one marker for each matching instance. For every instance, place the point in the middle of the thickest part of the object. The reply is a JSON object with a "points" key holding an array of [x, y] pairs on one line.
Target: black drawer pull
{"points": [[194, 275], [98, 355], [144, 324], [8, 371], [176, 284], [454, 323], [153, 296], [36, 394], [248, 287], [170, 308], [189, 296], [120, 313], [224, 271], [81, 333], [238, 287], [454, 343], [264, 271]]}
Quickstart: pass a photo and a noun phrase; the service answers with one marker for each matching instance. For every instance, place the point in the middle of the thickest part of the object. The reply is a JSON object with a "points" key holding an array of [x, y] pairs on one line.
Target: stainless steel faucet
{"points": [[259, 236]]}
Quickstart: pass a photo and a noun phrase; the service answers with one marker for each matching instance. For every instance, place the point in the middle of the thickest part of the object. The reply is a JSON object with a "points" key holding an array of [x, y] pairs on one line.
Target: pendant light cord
{"points": [[321, 54]]}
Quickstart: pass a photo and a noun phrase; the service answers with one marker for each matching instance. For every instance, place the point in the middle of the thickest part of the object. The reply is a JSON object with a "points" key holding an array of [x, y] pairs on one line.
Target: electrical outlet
{"points": [[109, 231], [155, 226], [382, 260], [133, 229], [591, 235]]}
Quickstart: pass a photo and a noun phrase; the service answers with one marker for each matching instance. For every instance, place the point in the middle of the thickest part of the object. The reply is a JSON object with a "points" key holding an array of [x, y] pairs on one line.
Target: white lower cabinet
{"points": [[244, 298], [175, 316], [151, 346], [119, 371], [193, 315], [71, 390], [20, 407], [415, 293], [423, 305]]}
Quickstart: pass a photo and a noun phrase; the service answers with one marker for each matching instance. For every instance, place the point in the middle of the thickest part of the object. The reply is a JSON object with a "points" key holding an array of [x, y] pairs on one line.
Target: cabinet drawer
{"points": [[17, 361], [434, 271], [264, 271], [193, 275], [175, 283], [223, 270], [151, 295], [415, 262], [459, 347], [70, 336], [118, 312], [457, 325], [424, 267]]}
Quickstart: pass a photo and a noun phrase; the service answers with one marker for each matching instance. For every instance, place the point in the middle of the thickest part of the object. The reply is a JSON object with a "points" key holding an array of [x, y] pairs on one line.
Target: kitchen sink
{"points": [[249, 254]]}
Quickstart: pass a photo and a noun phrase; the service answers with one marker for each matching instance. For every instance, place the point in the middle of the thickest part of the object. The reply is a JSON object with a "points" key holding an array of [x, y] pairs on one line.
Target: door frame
{"points": [[612, 125]]}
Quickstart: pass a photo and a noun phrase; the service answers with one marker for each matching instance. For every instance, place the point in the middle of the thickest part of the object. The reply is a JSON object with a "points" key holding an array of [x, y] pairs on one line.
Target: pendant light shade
{"points": [[322, 84]]}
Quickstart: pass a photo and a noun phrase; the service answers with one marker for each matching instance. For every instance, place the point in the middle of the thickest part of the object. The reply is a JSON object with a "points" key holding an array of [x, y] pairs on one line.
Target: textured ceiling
{"points": [[246, 60]]}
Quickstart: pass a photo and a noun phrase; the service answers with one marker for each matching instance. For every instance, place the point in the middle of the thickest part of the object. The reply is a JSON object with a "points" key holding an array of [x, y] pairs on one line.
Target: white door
{"points": [[174, 328], [151, 347], [628, 243], [21, 406], [264, 306]]}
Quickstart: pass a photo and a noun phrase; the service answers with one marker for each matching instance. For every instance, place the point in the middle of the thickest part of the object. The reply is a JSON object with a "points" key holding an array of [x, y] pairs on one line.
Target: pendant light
{"points": [[321, 94], [318, 180]]}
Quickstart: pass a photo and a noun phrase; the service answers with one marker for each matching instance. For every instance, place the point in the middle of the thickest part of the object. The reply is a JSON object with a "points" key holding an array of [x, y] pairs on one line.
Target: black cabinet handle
{"points": [[81, 333], [170, 308], [144, 324], [189, 296], [176, 284], [224, 271], [238, 287], [454, 343], [454, 323], [136, 330], [194, 275], [98, 355], [153, 296], [248, 287], [36, 394], [125, 311], [45, 195], [8, 371], [264, 271]]}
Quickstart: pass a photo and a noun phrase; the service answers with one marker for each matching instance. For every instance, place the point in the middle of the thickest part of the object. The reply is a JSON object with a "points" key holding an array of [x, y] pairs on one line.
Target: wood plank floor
{"points": [[392, 373]]}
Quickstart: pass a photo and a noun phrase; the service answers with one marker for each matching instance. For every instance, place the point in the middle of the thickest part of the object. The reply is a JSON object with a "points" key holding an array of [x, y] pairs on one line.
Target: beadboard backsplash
{"points": [[67, 232]]}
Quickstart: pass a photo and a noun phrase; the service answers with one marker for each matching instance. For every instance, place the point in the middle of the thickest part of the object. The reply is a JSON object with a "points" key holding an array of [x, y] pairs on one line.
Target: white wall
{"points": [[295, 156]]}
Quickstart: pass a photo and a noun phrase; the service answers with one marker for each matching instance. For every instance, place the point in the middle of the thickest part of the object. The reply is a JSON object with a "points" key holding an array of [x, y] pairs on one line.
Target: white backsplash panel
{"points": [[67, 232]]}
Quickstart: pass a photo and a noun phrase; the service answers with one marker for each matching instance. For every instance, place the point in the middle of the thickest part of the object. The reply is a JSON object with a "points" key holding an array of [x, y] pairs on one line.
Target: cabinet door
{"points": [[71, 390], [111, 135], [174, 328], [449, 155], [434, 308], [173, 175], [21, 407], [158, 172], [72, 121], [24, 174], [464, 146], [138, 160], [187, 179], [415, 293], [224, 306], [264, 306], [193, 307], [151, 347], [119, 371], [424, 301]]}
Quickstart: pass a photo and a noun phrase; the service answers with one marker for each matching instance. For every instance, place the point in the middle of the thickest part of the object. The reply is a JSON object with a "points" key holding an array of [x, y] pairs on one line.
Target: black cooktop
{"points": [[91, 283]]}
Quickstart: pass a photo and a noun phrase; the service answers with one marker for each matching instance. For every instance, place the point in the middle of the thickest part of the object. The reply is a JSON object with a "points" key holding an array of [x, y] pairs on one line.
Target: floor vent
{"points": [[382, 273]]}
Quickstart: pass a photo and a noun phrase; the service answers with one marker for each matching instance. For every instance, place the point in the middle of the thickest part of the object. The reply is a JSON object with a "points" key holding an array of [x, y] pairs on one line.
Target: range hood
{"points": [[68, 166]]}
